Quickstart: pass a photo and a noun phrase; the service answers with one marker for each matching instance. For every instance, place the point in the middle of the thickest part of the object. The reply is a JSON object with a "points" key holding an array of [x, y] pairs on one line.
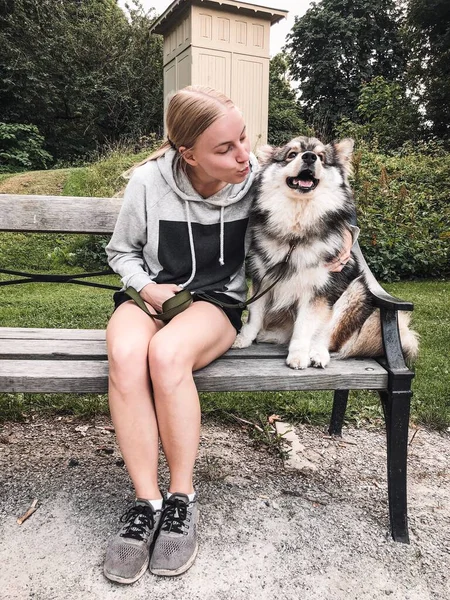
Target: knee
{"points": [[169, 364], [127, 356]]}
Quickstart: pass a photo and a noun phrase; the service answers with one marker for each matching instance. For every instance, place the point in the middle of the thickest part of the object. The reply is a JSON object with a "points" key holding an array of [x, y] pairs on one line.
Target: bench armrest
{"points": [[380, 297]]}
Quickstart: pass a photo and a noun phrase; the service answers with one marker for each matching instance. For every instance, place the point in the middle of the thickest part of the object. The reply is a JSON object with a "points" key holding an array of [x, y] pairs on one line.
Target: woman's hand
{"points": [[339, 263], [157, 293]]}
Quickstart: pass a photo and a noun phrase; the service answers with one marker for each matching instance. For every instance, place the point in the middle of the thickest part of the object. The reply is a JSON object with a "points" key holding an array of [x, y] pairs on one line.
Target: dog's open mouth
{"points": [[304, 182]]}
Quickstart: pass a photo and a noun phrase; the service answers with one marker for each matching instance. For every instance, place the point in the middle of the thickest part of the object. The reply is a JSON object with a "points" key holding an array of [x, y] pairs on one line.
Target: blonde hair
{"points": [[190, 111]]}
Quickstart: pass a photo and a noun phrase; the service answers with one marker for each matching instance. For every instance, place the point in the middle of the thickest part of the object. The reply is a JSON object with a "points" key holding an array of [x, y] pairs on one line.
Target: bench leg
{"points": [[396, 407], [338, 412]]}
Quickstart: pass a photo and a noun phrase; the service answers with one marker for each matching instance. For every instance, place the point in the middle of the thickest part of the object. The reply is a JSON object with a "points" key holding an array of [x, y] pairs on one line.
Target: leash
{"points": [[182, 300], [171, 307]]}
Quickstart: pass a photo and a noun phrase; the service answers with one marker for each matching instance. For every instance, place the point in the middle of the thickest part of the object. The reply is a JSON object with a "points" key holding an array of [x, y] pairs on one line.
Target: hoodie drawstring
{"points": [[221, 258], [191, 242]]}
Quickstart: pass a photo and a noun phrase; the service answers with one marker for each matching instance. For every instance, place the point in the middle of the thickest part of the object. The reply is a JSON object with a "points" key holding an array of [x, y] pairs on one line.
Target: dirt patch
{"points": [[265, 532], [49, 183]]}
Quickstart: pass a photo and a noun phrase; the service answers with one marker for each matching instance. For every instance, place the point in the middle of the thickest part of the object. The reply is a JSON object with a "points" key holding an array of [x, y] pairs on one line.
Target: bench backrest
{"points": [[58, 214]]}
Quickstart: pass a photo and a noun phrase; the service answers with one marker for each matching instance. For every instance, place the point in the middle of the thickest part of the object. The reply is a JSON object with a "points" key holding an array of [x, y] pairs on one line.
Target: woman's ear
{"points": [[188, 155]]}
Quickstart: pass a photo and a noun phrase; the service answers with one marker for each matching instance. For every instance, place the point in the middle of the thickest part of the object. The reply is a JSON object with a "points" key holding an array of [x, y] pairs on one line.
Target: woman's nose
{"points": [[243, 154]]}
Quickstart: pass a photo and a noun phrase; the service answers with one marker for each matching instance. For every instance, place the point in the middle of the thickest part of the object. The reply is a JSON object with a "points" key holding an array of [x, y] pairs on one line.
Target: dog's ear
{"points": [[264, 154], [344, 150]]}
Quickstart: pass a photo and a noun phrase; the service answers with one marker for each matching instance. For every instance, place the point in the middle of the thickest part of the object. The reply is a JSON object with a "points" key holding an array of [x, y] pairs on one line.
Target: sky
{"points": [[278, 32]]}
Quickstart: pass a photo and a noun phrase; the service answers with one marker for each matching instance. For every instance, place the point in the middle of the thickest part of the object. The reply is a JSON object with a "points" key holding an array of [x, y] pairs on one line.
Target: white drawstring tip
{"points": [[221, 261]]}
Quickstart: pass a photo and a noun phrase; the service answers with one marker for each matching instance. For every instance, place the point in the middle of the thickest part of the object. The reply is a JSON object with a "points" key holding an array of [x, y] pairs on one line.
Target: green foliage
{"points": [[285, 120], [21, 147], [335, 48], [388, 114], [387, 117], [429, 73], [81, 72], [404, 213]]}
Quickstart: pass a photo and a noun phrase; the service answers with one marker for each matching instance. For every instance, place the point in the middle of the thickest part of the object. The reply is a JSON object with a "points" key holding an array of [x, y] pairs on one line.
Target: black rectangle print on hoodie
{"points": [[175, 257]]}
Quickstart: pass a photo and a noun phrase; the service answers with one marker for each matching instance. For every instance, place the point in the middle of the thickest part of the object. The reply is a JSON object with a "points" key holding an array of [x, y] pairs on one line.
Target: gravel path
{"points": [[265, 532]]}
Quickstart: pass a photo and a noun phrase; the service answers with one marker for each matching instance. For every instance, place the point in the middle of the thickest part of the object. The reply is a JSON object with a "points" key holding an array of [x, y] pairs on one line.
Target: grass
{"points": [[5, 176], [50, 182]]}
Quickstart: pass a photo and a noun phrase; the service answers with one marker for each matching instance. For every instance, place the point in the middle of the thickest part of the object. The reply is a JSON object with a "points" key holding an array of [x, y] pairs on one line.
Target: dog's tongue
{"points": [[305, 183]]}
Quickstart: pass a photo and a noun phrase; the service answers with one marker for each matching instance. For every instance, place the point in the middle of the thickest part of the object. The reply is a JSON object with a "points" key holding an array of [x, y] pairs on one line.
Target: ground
{"points": [[265, 532]]}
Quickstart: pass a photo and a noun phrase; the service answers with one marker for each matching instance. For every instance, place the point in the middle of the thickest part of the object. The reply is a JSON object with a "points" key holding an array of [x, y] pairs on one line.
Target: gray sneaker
{"points": [[128, 552], [176, 545]]}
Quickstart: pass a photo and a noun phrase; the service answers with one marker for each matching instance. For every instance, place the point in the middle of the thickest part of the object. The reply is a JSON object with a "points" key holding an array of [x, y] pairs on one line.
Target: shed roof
{"points": [[166, 20]]}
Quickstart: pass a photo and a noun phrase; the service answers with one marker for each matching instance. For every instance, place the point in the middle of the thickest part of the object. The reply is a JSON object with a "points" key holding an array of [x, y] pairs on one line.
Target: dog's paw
{"points": [[242, 341], [298, 360], [320, 357]]}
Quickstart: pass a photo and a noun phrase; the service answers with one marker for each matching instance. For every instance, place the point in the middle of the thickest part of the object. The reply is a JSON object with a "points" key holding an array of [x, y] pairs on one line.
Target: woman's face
{"points": [[222, 151]]}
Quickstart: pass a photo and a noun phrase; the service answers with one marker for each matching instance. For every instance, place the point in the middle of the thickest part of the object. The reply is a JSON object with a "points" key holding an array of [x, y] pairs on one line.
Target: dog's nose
{"points": [[309, 158]]}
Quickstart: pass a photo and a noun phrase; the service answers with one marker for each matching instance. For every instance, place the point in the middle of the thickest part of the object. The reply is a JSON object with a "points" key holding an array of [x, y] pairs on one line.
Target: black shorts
{"points": [[234, 314]]}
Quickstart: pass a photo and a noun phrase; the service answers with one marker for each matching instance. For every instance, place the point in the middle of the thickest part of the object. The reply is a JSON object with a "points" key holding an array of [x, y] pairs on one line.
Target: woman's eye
{"points": [[291, 155]]}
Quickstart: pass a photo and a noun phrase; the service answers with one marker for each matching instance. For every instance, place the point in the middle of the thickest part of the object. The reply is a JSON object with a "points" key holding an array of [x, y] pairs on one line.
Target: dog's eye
{"points": [[321, 156], [291, 155]]}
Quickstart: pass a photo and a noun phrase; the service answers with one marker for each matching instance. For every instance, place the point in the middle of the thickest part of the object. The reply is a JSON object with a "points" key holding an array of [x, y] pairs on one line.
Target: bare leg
{"points": [[190, 341], [132, 410]]}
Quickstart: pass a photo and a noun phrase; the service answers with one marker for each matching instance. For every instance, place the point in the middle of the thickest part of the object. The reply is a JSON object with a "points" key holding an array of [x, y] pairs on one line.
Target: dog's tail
{"points": [[408, 337], [368, 341], [356, 328]]}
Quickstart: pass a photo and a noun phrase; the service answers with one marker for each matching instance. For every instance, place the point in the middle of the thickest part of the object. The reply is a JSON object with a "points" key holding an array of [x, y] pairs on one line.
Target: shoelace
{"points": [[140, 521], [174, 516]]}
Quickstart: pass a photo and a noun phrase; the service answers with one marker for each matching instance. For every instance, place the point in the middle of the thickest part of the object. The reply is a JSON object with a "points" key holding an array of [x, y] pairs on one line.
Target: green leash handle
{"points": [[171, 307]]}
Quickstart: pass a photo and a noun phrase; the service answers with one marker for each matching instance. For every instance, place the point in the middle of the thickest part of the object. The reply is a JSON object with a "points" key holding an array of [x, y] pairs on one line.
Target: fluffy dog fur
{"points": [[303, 197]]}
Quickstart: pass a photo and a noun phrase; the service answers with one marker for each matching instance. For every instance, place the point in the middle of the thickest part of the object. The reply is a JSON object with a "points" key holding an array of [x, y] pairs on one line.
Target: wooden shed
{"points": [[223, 44]]}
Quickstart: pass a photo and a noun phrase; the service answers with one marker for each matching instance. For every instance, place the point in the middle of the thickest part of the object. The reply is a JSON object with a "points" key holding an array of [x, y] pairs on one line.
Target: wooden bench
{"points": [[75, 361]]}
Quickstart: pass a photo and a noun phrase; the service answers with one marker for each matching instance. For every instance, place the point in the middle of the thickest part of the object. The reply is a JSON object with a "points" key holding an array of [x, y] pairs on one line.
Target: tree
{"points": [[336, 47], [80, 71], [285, 121], [388, 115], [429, 34]]}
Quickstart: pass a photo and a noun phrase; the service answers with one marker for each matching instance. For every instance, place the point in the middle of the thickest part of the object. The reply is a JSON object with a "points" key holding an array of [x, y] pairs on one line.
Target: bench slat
{"points": [[73, 344], [37, 333], [58, 214], [234, 374], [26, 343], [51, 349], [70, 348]]}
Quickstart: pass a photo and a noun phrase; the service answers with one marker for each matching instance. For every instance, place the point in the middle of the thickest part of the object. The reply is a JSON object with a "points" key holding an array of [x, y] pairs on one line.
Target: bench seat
{"points": [[75, 361]]}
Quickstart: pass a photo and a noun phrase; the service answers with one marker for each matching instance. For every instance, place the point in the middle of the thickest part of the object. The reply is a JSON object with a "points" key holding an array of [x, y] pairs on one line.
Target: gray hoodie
{"points": [[167, 233]]}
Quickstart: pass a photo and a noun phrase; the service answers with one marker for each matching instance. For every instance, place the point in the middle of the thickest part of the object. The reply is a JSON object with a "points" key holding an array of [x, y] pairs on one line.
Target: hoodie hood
{"points": [[179, 182]]}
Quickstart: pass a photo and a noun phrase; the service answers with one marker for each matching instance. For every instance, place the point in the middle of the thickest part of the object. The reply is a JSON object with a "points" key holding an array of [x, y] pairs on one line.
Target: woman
{"points": [[183, 224]]}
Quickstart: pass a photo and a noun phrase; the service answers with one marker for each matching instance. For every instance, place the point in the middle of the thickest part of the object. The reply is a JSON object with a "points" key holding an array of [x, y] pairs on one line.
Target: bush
{"points": [[21, 148], [403, 211]]}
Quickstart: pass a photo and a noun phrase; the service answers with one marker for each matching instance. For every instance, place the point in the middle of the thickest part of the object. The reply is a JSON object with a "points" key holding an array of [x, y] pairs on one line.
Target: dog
{"points": [[303, 204]]}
